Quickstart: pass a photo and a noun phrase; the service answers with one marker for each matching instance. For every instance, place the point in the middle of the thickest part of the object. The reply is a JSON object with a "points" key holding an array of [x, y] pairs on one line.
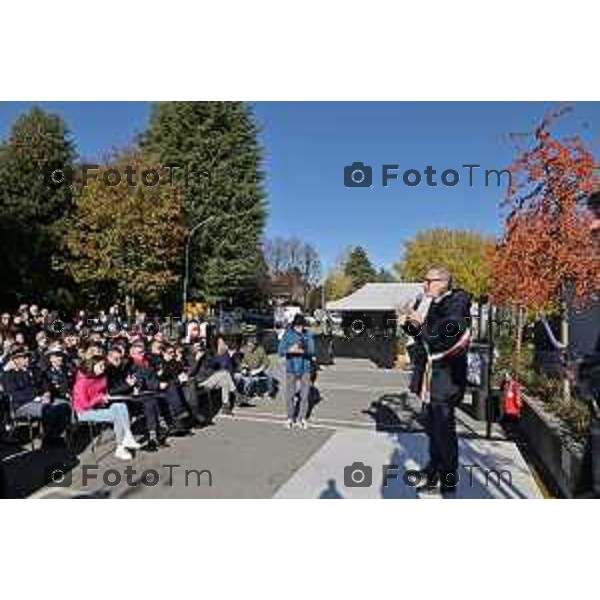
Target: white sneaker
{"points": [[303, 424], [122, 453], [289, 424], [130, 443]]}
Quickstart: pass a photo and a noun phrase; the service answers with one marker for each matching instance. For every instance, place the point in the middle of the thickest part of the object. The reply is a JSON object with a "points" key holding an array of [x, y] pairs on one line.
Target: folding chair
{"points": [[93, 428], [15, 421]]}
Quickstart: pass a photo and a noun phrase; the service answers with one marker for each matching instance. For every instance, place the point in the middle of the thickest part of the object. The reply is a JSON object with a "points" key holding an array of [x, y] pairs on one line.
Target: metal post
{"points": [[490, 368], [185, 276], [187, 249], [187, 261]]}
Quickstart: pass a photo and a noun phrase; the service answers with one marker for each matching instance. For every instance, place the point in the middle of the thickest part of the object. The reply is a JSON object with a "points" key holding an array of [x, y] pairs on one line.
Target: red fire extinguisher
{"points": [[512, 398]]}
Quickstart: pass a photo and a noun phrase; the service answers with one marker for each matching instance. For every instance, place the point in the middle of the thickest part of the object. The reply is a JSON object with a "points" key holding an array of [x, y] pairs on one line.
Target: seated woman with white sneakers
{"points": [[92, 403]]}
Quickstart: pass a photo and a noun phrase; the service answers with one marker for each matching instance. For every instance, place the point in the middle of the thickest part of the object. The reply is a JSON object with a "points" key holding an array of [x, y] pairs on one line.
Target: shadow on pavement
{"points": [[314, 398], [23, 472], [393, 412], [483, 473], [331, 492], [404, 456]]}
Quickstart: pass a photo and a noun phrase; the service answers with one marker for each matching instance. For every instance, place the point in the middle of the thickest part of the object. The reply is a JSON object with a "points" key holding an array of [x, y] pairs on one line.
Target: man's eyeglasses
{"points": [[433, 279]]}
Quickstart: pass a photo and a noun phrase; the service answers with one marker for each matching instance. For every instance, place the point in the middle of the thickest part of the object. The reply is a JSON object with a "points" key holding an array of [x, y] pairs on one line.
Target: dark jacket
{"points": [[39, 360], [418, 355], [169, 370], [55, 381], [20, 385], [201, 367], [155, 361], [446, 321], [145, 375], [223, 362], [116, 379]]}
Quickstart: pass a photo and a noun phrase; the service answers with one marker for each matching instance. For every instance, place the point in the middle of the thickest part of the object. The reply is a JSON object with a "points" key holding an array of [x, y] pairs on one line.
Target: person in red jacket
{"points": [[91, 403]]}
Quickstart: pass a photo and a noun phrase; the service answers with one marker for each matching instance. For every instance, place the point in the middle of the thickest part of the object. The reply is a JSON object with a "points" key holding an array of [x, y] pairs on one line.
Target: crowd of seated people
{"points": [[100, 371]]}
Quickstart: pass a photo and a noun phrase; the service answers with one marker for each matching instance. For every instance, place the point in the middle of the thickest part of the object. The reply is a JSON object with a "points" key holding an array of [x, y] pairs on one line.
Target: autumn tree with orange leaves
{"points": [[548, 258]]}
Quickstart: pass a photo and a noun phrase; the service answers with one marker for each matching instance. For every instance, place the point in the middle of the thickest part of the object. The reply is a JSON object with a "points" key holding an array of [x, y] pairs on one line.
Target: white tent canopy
{"points": [[378, 297]]}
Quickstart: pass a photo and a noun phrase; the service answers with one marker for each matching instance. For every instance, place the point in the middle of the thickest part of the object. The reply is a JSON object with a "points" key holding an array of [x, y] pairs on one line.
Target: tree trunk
{"points": [[519, 342], [564, 335]]}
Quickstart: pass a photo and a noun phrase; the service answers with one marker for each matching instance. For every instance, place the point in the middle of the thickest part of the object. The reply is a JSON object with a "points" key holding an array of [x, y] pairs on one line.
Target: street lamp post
{"points": [[187, 261], [187, 250]]}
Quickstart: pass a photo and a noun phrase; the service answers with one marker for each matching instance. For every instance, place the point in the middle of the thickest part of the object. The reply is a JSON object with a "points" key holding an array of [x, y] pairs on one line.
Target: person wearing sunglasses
{"points": [[445, 334]]}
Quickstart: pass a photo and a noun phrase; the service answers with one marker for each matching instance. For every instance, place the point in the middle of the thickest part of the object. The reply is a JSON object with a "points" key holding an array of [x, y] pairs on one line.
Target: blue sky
{"points": [[307, 145]]}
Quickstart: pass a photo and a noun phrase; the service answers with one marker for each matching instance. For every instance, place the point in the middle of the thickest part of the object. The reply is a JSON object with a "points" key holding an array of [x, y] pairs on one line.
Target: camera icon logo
{"points": [[57, 176], [58, 475], [358, 175], [358, 475]]}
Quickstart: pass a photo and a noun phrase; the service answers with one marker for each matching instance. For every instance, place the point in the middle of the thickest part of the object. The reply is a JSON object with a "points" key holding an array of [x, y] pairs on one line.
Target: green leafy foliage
{"points": [[38, 143], [125, 239], [359, 268], [215, 148], [466, 254]]}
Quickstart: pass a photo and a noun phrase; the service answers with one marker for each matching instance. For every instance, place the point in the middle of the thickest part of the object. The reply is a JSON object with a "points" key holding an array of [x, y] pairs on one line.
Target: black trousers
{"points": [[166, 401], [203, 404], [171, 402], [149, 405], [448, 384], [443, 441], [418, 358]]}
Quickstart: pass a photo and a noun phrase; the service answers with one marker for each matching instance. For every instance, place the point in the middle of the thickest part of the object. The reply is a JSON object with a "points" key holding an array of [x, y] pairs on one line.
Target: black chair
{"points": [[94, 430], [15, 421]]}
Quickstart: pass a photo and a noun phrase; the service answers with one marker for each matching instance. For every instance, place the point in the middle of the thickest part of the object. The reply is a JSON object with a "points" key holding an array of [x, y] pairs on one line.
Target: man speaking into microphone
{"points": [[445, 334]]}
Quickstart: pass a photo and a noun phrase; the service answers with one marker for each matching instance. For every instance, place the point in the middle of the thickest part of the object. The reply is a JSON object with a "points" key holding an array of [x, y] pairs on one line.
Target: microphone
{"points": [[420, 297]]}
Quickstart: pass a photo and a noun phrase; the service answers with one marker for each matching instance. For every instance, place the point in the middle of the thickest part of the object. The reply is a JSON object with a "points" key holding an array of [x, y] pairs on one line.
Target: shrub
{"points": [[574, 414]]}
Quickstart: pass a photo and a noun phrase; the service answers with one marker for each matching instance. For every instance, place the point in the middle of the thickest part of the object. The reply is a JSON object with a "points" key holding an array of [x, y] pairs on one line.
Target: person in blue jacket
{"points": [[297, 345]]}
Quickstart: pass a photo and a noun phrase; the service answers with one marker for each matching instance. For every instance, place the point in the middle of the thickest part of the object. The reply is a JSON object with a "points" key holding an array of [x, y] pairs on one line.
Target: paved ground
{"points": [[488, 469], [361, 415]]}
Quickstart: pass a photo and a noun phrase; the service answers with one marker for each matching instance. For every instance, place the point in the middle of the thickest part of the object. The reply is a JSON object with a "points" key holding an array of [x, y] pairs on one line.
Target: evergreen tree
{"points": [[359, 268], [30, 208], [214, 156], [385, 276]]}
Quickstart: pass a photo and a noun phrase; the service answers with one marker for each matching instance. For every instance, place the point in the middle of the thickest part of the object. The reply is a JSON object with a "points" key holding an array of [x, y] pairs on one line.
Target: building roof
{"points": [[287, 285], [378, 296]]}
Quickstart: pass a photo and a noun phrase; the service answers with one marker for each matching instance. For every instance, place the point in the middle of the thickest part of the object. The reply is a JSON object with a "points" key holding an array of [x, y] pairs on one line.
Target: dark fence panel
{"points": [[379, 350], [324, 349]]}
